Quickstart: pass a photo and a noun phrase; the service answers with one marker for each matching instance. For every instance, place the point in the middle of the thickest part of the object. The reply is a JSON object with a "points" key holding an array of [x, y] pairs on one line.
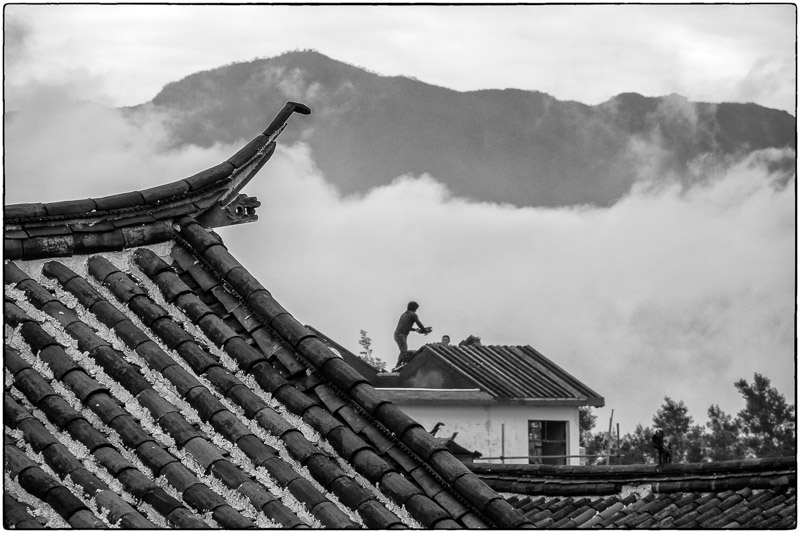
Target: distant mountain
{"points": [[522, 147]]}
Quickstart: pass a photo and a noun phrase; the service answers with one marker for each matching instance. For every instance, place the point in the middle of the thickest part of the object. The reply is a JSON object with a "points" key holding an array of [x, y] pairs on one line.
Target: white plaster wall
{"points": [[480, 427]]}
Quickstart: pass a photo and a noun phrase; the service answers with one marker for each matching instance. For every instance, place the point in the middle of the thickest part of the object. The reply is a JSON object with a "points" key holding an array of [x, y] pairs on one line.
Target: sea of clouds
{"points": [[671, 291]]}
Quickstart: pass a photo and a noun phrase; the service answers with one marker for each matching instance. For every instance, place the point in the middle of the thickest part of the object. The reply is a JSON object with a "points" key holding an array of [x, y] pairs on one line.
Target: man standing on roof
{"points": [[405, 326]]}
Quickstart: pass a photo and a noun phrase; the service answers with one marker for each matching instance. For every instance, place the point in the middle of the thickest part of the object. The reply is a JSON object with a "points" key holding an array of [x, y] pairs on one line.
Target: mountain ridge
{"points": [[501, 145]]}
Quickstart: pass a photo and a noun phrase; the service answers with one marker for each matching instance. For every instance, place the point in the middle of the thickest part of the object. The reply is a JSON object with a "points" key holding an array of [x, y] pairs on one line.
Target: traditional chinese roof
{"points": [[152, 381], [504, 373], [753, 494]]}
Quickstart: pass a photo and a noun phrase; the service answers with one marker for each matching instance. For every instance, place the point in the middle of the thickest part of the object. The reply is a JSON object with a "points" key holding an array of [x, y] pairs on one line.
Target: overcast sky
{"points": [[125, 54], [662, 294]]}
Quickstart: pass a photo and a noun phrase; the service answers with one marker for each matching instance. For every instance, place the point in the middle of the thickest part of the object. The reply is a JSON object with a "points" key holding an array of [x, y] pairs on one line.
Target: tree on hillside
{"points": [[593, 445], [637, 448], [674, 420], [768, 422], [366, 353], [724, 436]]}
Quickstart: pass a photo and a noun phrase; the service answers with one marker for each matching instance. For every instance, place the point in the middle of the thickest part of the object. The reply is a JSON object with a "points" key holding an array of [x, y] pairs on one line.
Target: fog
{"points": [[672, 291]]}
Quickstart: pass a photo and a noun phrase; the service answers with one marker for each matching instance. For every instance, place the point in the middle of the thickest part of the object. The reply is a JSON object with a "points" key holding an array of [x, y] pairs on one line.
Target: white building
{"points": [[510, 403]]}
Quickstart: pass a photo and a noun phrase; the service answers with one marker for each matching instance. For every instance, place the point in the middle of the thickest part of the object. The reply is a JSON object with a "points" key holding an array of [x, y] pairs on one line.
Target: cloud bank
{"points": [[675, 291]]}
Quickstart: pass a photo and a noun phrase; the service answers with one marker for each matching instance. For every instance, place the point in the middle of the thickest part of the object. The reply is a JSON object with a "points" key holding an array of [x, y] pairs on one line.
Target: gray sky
{"points": [[663, 294], [125, 54]]}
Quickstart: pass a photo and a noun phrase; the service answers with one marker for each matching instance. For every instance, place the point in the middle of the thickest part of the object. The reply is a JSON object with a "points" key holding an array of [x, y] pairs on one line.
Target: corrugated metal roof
{"points": [[514, 372]]}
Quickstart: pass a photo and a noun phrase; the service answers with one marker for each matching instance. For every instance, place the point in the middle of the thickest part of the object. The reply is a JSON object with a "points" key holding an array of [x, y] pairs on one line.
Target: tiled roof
{"points": [[152, 381], [511, 373], [752, 494]]}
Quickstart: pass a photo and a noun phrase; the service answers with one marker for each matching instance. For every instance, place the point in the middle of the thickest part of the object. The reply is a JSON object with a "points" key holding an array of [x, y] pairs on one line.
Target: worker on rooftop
{"points": [[404, 326]]}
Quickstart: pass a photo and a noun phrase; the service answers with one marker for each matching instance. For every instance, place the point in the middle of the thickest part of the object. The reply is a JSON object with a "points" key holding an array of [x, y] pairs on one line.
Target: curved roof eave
{"points": [[40, 230]]}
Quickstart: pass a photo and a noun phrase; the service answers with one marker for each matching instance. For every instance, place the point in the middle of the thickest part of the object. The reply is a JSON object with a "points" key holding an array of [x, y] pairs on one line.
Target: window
{"points": [[547, 438]]}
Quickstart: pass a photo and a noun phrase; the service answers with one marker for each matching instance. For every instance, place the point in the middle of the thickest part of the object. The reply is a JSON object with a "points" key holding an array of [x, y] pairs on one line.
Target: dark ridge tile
{"points": [[244, 354], [370, 465], [204, 278], [298, 446], [427, 482], [331, 517], [70, 207], [13, 315], [345, 378], [154, 456], [33, 385], [36, 337], [394, 419], [315, 352], [58, 411], [192, 306], [17, 515], [220, 260], [196, 357], [266, 376], [12, 274], [205, 403], [147, 311], [475, 491], [112, 460], [203, 452], [354, 420], [59, 363], [12, 248], [13, 362], [397, 487], [228, 518], [162, 502], [345, 442], [180, 477], [106, 241], [82, 431], [366, 396], [15, 414], [61, 460], [350, 493], [202, 499], [184, 519], [294, 400], [447, 465], [376, 516], [136, 483], [306, 493], [126, 330], [181, 379], [87, 339], [222, 379], [425, 510], [424, 445], [47, 247], [35, 433], [214, 327], [228, 425], [282, 515], [248, 320], [150, 263], [126, 290], [272, 421], [449, 503], [198, 238], [85, 479], [155, 357], [106, 406], [245, 283], [129, 431], [265, 305], [84, 519], [16, 463], [63, 314], [36, 294], [246, 399], [402, 458], [82, 385], [179, 428], [281, 471], [320, 420], [170, 332], [255, 450]]}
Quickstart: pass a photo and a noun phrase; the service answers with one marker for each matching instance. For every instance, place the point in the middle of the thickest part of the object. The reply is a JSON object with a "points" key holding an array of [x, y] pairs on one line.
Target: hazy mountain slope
{"points": [[523, 147]]}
